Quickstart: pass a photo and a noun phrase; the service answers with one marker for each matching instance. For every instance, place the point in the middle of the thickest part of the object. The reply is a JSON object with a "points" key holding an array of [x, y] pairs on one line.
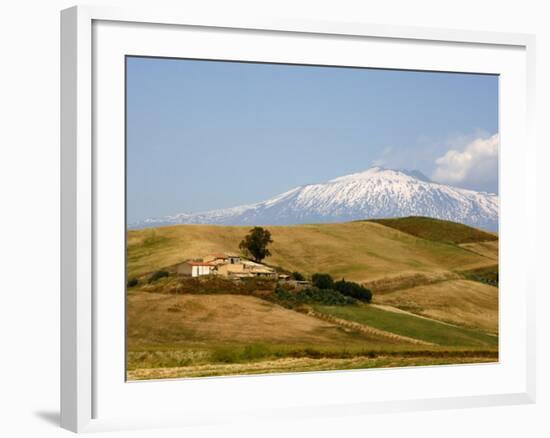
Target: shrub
{"points": [[322, 281], [285, 297], [225, 354], [297, 276], [248, 353], [132, 282], [255, 352], [158, 274], [312, 295], [354, 290]]}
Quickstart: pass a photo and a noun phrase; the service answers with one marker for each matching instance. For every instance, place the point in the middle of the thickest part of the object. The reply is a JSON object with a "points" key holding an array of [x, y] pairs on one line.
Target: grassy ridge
{"points": [[487, 275], [359, 251], [437, 230]]}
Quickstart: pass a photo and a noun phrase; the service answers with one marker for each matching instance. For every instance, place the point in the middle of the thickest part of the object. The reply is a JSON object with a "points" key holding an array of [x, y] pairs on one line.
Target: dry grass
{"points": [[359, 251], [206, 335], [486, 249], [182, 334], [161, 319], [460, 302], [289, 365], [408, 280]]}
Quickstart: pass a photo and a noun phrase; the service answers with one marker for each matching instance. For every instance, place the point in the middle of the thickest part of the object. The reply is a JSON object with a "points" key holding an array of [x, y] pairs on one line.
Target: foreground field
{"points": [[205, 335], [292, 365], [160, 318]]}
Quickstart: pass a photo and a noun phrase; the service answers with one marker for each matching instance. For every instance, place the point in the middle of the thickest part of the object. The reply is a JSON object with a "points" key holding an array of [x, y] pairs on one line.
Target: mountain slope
{"points": [[374, 193]]}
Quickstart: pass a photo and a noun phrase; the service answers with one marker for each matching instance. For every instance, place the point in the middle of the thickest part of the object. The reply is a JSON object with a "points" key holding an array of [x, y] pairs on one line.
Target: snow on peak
{"points": [[372, 172], [379, 172], [374, 193]]}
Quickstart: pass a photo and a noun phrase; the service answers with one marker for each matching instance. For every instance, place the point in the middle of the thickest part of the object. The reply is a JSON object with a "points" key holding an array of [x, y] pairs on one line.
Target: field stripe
{"points": [[367, 329]]}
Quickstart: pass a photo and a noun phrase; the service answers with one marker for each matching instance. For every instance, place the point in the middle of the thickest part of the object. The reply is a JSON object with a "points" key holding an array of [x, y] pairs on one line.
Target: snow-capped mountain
{"points": [[374, 193]]}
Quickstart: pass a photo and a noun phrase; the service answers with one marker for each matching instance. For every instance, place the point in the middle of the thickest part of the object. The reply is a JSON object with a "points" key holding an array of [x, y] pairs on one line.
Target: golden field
{"points": [[359, 251], [435, 301]]}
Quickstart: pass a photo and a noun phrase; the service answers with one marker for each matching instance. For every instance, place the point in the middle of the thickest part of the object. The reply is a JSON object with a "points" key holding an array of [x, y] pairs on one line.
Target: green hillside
{"points": [[411, 326], [437, 230]]}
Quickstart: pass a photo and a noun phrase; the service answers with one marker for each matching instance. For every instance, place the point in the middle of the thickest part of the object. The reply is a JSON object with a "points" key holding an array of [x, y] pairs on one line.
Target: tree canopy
{"points": [[255, 243], [322, 281]]}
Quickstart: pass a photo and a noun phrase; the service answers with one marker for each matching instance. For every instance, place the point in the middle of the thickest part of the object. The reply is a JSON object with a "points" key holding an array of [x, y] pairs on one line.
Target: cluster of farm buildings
{"points": [[227, 265]]}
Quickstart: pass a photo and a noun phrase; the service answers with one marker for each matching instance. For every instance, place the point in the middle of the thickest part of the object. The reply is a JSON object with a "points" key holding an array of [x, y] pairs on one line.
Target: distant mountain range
{"points": [[374, 193]]}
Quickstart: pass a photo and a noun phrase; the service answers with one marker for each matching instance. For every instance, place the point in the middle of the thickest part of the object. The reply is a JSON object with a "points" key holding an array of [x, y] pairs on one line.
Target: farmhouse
{"points": [[225, 265], [194, 269], [222, 259], [246, 269]]}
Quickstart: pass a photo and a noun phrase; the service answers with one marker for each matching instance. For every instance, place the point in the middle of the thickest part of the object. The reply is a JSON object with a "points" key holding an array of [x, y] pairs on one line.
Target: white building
{"points": [[194, 269]]}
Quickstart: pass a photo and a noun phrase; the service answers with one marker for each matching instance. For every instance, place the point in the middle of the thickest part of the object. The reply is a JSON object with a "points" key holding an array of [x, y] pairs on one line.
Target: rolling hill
{"points": [[438, 230], [360, 251], [157, 318], [435, 300]]}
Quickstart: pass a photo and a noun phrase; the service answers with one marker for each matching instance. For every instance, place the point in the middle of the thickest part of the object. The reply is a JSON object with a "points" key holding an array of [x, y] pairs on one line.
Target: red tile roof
{"points": [[199, 264]]}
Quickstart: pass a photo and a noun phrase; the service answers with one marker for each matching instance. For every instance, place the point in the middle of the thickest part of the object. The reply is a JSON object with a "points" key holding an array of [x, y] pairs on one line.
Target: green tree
{"points": [[157, 275], [255, 243], [322, 281], [132, 282], [354, 290]]}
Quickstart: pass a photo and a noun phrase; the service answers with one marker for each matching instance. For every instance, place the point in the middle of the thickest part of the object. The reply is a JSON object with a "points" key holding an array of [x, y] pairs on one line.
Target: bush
{"points": [[312, 295], [248, 353], [322, 281], [255, 352], [157, 275], [354, 290], [132, 282], [297, 276], [225, 354]]}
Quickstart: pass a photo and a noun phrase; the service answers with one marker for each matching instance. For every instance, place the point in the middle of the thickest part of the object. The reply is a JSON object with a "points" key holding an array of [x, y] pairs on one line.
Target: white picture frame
{"points": [[92, 36]]}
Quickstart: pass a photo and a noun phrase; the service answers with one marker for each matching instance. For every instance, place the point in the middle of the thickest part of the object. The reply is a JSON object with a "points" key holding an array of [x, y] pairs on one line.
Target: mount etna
{"points": [[374, 193]]}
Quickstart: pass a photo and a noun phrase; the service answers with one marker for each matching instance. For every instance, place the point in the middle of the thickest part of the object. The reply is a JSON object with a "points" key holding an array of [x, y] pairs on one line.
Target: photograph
{"points": [[285, 218]]}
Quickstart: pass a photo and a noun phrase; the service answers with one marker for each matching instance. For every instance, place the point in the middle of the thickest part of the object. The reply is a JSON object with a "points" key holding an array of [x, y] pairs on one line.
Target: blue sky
{"points": [[204, 135]]}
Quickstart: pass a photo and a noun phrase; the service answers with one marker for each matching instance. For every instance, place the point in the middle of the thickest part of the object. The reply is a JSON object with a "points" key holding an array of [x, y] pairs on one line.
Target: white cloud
{"points": [[473, 166]]}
